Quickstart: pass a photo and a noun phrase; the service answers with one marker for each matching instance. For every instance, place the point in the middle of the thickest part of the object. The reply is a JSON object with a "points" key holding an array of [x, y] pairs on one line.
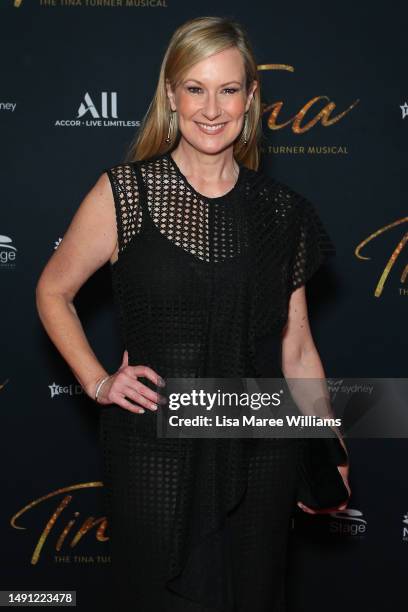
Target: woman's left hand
{"points": [[344, 472]]}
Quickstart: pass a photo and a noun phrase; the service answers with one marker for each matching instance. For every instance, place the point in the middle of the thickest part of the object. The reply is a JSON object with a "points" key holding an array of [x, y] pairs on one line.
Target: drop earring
{"points": [[244, 137], [170, 130]]}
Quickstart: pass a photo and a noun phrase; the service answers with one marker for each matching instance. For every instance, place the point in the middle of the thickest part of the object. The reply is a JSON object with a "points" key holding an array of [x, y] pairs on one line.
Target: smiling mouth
{"points": [[211, 128]]}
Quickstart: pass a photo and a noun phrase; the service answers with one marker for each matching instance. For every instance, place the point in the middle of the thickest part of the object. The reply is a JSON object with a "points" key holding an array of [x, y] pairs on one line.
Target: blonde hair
{"points": [[193, 41]]}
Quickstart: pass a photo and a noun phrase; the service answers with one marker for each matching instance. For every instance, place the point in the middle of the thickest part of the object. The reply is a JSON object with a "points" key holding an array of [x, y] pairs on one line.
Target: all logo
{"points": [[108, 106], [97, 110]]}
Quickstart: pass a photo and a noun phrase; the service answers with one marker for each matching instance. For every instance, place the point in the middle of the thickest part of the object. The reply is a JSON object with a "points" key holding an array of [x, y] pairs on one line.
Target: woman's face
{"points": [[212, 93]]}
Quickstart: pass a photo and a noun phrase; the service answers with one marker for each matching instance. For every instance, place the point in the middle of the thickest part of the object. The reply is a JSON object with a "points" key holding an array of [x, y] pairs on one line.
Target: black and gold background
{"points": [[76, 79]]}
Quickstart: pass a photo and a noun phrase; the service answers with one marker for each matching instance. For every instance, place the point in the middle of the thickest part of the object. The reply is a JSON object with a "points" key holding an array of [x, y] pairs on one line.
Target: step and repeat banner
{"points": [[77, 77]]}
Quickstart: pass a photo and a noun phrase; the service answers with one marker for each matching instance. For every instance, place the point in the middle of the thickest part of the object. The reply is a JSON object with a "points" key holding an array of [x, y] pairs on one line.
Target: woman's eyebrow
{"points": [[223, 85]]}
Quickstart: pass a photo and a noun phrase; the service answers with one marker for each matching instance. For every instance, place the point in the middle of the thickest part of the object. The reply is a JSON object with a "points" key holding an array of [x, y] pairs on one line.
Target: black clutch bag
{"points": [[320, 483]]}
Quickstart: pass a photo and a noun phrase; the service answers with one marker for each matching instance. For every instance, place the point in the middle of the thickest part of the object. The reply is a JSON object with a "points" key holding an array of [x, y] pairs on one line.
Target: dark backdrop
{"points": [[58, 60]]}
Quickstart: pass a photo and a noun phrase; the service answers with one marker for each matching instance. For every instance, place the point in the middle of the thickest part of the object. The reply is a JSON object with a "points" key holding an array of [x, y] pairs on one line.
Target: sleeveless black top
{"points": [[202, 287], [202, 284]]}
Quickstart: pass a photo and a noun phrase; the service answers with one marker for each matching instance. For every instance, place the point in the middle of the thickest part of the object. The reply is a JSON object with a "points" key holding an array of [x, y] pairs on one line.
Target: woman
{"points": [[209, 258]]}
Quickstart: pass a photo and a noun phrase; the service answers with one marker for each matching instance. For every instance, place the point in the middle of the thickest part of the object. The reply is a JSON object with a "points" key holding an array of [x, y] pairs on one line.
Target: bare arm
{"points": [[89, 242], [301, 360]]}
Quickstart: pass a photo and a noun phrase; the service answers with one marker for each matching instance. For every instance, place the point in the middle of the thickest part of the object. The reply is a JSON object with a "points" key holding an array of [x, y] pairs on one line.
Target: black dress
{"points": [[202, 287]]}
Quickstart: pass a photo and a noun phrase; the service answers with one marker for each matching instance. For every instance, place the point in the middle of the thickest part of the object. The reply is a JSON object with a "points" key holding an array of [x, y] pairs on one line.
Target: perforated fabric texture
{"points": [[202, 287]]}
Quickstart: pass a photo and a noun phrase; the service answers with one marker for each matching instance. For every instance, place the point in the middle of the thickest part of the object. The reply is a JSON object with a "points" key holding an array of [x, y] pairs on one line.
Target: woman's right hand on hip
{"points": [[125, 384]]}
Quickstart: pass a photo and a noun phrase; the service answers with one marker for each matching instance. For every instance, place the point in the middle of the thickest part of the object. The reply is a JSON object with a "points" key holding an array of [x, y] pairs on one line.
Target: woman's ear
{"points": [[170, 95], [251, 93]]}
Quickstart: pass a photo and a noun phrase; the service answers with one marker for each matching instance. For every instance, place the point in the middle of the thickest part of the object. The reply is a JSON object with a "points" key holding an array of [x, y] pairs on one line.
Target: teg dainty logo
{"points": [[71, 389]]}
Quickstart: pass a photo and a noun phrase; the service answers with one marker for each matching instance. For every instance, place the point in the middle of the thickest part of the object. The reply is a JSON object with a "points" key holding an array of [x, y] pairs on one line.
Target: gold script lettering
{"points": [[394, 254], [323, 115], [86, 526]]}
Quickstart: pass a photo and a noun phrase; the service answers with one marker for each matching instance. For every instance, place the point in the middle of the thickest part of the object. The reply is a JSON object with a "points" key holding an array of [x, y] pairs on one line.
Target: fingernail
{"points": [[141, 410], [162, 382], [153, 407]]}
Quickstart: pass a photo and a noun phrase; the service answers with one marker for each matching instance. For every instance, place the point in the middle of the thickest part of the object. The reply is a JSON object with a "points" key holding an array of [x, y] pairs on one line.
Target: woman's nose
{"points": [[212, 107]]}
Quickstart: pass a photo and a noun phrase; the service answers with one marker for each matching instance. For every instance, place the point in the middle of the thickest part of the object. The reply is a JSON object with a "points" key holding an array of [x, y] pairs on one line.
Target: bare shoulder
{"points": [[88, 243], [102, 188]]}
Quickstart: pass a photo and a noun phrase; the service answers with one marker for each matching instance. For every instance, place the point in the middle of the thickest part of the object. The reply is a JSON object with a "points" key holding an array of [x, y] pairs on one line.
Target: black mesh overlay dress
{"points": [[202, 287]]}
